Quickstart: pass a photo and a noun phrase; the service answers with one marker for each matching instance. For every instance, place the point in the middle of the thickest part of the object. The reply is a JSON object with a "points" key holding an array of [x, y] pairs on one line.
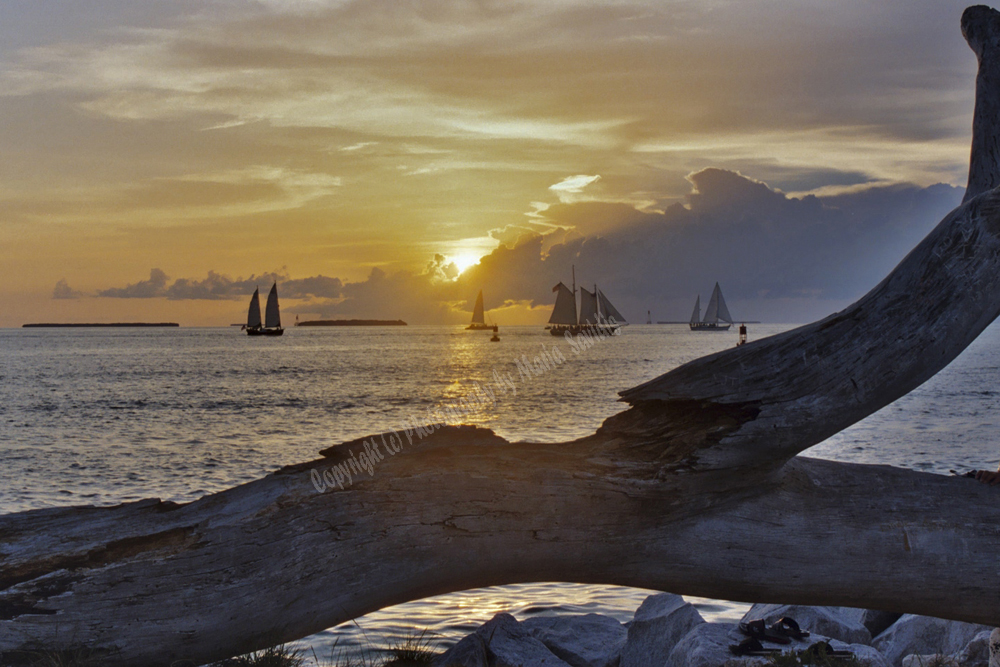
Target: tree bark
{"points": [[696, 489]]}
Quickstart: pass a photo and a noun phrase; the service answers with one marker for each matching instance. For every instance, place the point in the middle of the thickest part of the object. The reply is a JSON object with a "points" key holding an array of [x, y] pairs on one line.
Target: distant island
{"points": [[100, 324], [351, 323]]}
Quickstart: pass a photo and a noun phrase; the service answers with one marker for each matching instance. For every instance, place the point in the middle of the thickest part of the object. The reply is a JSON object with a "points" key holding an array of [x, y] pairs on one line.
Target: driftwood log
{"points": [[695, 489]]}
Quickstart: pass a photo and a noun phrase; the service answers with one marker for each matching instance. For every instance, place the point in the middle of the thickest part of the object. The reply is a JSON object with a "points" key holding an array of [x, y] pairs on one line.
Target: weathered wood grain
{"points": [[696, 489]]}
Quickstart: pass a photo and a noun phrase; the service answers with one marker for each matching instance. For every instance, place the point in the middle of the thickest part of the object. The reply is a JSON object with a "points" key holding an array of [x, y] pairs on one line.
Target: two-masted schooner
{"points": [[272, 318], [716, 312], [479, 317], [595, 311]]}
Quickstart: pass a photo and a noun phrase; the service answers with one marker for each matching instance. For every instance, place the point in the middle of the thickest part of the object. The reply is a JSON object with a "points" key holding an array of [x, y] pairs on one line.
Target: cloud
{"points": [[217, 286], [512, 234], [62, 290], [804, 84], [156, 286], [244, 190], [570, 187], [778, 258]]}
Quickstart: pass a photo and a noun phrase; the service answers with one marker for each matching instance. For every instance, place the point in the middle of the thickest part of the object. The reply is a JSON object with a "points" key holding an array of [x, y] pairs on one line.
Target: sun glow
{"points": [[464, 261]]}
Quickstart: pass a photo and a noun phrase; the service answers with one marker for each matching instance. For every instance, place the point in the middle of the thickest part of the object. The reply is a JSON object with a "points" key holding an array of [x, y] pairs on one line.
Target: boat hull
{"points": [[479, 327], [705, 326], [589, 329], [265, 332]]}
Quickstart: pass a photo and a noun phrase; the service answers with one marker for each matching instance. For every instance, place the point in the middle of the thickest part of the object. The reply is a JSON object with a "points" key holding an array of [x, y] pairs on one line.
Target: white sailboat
{"points": [[272, 317], [595, 311], [715, 313], [479, 316]]}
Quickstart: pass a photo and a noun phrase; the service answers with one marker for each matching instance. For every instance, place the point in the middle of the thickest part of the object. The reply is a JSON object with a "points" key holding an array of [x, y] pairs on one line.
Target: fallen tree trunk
{"points": [[275, 560], [695, 489]]}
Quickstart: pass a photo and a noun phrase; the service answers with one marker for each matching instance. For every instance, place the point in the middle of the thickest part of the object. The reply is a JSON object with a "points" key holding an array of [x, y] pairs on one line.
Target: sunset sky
{"points": [[161, 158]]}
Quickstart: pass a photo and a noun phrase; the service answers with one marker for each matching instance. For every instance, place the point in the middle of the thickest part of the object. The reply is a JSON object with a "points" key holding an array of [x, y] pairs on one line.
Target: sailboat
{"points": [[715, 312], [595, 312], [478, 316], [272, 318]]}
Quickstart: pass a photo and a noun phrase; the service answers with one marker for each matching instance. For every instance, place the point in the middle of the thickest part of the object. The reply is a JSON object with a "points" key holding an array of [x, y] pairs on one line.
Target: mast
{"points": [[576, 315], [597, 306]]}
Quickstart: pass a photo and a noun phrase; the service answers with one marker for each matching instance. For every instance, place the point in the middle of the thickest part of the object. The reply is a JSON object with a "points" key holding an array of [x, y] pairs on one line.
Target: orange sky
{"points": [[308, 138]]}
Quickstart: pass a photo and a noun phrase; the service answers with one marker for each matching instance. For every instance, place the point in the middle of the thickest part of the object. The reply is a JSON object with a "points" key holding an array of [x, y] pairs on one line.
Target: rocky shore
{"points": [[666, 631]]}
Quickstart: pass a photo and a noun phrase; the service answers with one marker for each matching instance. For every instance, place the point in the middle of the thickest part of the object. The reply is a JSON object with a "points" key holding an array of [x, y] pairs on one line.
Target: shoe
{"points": [[758, 631]]}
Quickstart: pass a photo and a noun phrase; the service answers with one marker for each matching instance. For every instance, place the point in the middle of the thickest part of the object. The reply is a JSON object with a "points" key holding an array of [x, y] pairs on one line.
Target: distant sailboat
{"points": [[272, 318], [479, 316], [595, 311], [715, 312]]}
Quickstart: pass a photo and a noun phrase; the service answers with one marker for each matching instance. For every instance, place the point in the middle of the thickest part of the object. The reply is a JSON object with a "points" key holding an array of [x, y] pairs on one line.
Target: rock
{"points": [[878, 622], [842, 623], [707, 645], [976, 653], [932, 660], [924, 635], [864, 653], [585, 640], [659, 624], [500, 642], [995, 648]]}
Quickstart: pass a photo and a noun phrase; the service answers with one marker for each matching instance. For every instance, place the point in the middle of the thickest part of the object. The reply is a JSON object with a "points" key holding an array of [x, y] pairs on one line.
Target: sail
{"points": [[696, 315], [588, 307], [565, 309], [723, 310], [253, 315], [272, 320], [609, 312], [477, 312], [717, 309], [712, 312]]}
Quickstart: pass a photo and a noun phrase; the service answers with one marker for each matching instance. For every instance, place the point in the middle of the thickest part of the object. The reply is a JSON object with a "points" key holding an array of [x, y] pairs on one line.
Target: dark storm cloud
{"points": [[760, 244]]}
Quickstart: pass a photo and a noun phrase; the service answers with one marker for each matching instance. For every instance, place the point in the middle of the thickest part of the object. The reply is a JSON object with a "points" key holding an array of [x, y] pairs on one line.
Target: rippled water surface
{"points": [[99, 416]]}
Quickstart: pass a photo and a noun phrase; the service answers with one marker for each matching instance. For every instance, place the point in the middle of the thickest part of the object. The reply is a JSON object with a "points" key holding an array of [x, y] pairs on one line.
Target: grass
{"points": [[813, 659], [274, 656], [410, 651], [414, 649]]}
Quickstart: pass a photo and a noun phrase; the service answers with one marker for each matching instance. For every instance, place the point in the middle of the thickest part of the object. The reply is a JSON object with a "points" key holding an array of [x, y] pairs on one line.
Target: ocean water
{"points": [[102, 416]]}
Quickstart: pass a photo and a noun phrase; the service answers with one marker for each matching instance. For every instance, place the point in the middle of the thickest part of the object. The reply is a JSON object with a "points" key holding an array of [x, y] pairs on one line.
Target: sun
{"points": [[464, 261]]}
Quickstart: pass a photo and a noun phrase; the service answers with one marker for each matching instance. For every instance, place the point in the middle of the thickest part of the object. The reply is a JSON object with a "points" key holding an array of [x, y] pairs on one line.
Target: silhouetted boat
{"points": [[478, 316], [272, 318], [715, 312], [596, 311]]}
